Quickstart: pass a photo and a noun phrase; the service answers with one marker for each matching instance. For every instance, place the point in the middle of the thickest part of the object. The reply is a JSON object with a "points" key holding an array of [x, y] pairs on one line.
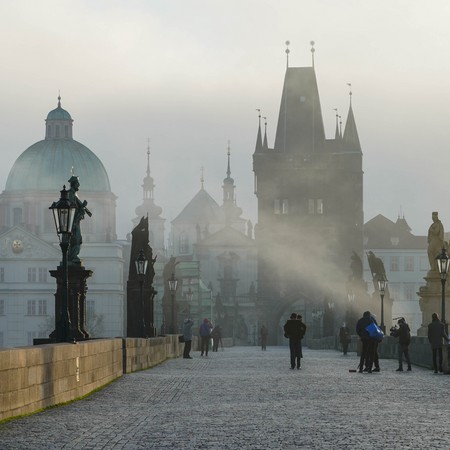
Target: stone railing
{"points": [[33, 378]]}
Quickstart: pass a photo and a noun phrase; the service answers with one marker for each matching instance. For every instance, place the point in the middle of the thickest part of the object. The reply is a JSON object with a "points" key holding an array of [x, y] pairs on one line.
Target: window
{"points": [[31, 307], [31, 274], [409, 263], [1, 339], [49, 131], [394, 264], [184, 243], [2, 307], [285, 207], [315, 206], [276, 206], [42, 307], [57, 131], [17, 216], [66, 131], [410, 293], [43, 274], [2, 274], [319, 206]]}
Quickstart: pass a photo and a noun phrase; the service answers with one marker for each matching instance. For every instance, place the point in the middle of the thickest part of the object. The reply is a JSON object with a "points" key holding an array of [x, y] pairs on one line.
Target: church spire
{"points": [[351, 138], [337, 134], [265, 145], [259, 147]]}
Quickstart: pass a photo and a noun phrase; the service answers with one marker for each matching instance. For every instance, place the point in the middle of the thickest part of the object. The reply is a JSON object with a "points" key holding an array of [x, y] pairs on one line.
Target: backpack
{"points": [[375, 332]]}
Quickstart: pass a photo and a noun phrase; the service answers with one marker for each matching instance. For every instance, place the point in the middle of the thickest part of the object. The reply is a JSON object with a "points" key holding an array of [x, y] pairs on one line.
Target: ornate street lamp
{"points": [[141, 269], [443, 265], [63, 215], [382, 283], [173, 283]]}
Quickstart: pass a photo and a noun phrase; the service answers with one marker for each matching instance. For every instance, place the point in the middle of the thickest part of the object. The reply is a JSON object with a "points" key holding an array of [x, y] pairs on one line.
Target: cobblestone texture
{"points": [[243, 398]]}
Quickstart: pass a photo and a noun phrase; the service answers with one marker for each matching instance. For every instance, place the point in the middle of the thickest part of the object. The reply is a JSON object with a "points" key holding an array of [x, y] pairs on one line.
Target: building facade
{"points": [[29, 243]]}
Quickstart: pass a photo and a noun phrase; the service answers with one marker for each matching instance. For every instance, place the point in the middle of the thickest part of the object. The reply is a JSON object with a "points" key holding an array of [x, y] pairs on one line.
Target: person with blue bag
{"points": [[370, 334]]}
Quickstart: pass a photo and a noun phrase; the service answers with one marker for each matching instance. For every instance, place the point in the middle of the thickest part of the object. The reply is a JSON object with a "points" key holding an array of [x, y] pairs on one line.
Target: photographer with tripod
{"points": [[404, 338]]}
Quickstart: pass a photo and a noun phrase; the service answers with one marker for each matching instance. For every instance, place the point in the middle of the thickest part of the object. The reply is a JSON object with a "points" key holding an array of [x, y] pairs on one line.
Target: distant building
{"points": [[29, 244], [405, 260], [310, 206], [221, 242]]}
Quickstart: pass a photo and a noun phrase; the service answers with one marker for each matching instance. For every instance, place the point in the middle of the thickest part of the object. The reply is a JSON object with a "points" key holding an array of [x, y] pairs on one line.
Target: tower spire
{"points": [[228, 154], [312, 52], [258, 146], [350, 92], [336, 133], [287, 54], [148, 156], [202, 179], [265, 145], [59, 98]]}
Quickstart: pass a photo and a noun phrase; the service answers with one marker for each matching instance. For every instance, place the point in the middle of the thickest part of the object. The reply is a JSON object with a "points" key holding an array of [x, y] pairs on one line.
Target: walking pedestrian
{"points": [[293, 331], [344, 337], [187, 335], [436, 332], [403, 333], [205, 336], [264, 333], [216, 335]]}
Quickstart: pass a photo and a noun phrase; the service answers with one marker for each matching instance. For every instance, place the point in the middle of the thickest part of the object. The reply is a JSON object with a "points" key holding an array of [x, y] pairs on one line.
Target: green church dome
{"points": [[58, 114], [48, 164]]}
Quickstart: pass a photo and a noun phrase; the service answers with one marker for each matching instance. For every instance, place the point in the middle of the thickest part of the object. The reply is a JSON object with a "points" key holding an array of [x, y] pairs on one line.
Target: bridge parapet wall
{"points": [[33, 378]]}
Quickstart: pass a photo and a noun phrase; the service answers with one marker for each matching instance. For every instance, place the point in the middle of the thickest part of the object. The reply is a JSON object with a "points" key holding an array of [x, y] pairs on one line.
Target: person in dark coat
{"points": [[368, 344], [187, 335], [216, 335], [404, 339], [344, 337], [205, 336], [264, 333], [436, 332], [293, 330]]}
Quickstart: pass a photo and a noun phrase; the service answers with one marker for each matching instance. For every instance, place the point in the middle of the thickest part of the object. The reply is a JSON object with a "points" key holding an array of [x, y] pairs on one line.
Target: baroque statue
{"points": [[435, 240]]}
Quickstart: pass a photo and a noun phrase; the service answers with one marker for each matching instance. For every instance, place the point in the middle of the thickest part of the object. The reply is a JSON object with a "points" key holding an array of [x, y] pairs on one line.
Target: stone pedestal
{"points": [[431, 299], [140, 310], [77, 288]]}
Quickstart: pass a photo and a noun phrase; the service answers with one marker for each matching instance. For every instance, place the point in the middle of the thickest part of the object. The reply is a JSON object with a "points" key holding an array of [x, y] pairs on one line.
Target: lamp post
{"points": [[382, 283], [63, 215], [141, 269], [443, 265], [173, 283]]}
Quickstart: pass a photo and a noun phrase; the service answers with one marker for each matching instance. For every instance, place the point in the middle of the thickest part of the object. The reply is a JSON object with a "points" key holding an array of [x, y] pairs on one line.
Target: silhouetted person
{"points": [[187, 334], [293, 331], [368, 344], [404, 339], [344, 337], [216, 335], [436, 332], [205, 336], [264, 333]]}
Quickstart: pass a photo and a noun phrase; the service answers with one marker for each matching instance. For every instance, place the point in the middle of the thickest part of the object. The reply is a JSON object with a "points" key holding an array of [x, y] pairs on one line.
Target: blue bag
{"points": [[375, 331]]}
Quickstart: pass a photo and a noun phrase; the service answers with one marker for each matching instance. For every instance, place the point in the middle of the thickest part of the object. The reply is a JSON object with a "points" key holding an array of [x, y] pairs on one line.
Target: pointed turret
{"points": [[258, 146], [229, 200], [265, 145], [351, 139]]}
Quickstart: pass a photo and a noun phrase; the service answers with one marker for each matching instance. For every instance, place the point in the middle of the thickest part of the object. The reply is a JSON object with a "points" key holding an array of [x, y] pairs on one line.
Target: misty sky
{"points": [[189, 75]]}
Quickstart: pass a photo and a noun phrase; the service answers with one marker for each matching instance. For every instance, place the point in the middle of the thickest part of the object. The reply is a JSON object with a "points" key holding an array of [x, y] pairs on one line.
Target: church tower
{"points": [[310, 205], [152, 211]]}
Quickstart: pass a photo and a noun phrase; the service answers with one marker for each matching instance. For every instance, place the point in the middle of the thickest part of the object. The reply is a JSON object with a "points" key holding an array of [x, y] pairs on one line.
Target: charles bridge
{"points": [[240, 397]]}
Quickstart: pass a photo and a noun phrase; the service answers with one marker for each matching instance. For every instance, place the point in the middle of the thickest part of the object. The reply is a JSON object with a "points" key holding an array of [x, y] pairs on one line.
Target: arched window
{"points": [[184, 243]]}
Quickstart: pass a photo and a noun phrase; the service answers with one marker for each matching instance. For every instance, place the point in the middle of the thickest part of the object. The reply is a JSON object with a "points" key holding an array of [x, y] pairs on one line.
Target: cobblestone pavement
{"points": [[243, 398]]}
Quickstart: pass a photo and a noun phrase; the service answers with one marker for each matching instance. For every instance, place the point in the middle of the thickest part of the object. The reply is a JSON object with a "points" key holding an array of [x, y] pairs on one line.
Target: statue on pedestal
{"points": [[435, 240]]}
